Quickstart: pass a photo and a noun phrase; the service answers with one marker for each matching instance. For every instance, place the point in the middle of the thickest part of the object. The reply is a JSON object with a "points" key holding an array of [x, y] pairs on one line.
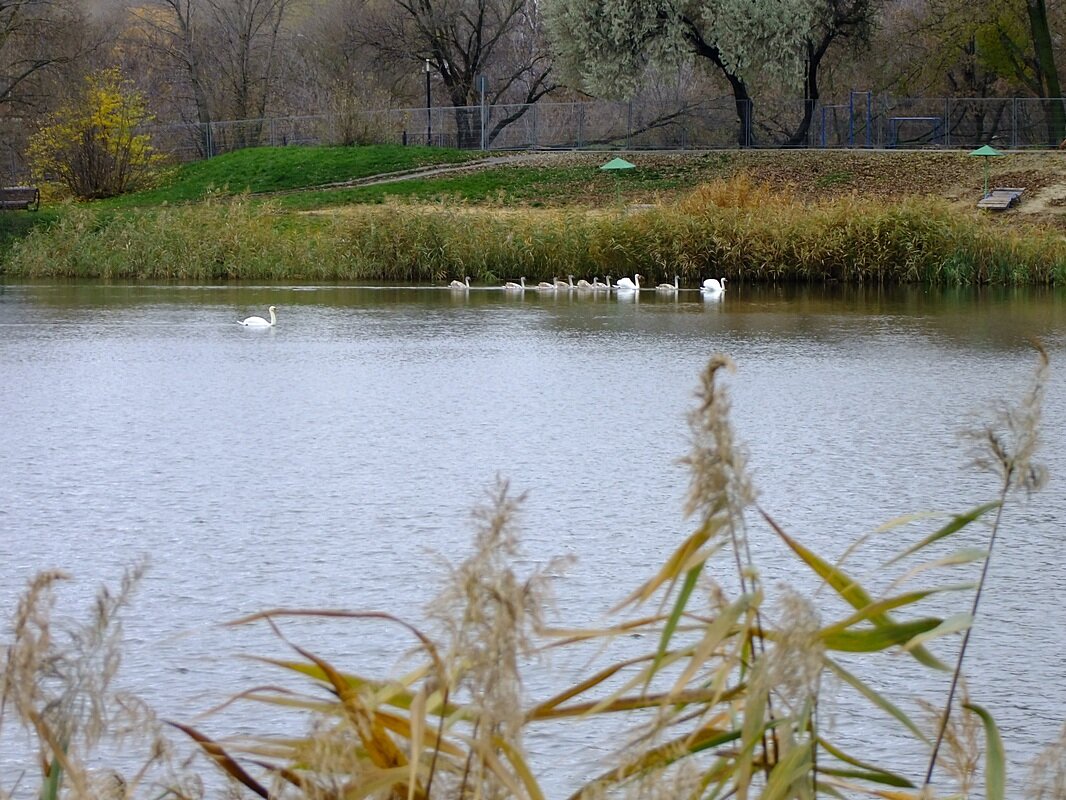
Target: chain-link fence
{"points": [[861, 120]]}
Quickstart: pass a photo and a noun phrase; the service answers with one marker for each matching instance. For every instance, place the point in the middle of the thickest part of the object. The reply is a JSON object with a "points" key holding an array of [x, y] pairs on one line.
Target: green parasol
{"points": [[985, 152], [616, 165]]}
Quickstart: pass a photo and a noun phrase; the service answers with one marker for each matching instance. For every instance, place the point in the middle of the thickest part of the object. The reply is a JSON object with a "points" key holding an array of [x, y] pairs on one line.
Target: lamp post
{"points": [[429, 109]]}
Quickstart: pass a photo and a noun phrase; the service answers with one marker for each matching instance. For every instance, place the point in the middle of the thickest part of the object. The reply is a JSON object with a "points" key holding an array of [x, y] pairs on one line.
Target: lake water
{"points": [[330, 461]]}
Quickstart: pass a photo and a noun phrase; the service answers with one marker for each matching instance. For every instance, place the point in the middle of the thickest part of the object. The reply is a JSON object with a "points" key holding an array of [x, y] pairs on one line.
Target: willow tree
{"points": [[604, 46]]}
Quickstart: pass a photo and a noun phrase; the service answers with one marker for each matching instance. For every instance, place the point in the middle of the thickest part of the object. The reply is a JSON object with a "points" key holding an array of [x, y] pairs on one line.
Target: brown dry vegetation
{"points": [[824, 174]]}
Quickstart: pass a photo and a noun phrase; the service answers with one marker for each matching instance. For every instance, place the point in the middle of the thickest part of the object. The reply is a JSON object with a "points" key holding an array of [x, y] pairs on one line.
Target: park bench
{"points": [[1001, 198], [20, 197]]}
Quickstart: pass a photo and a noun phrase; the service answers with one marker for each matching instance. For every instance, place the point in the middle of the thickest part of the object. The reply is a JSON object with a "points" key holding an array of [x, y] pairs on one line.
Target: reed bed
{"points": [[731, 228]]}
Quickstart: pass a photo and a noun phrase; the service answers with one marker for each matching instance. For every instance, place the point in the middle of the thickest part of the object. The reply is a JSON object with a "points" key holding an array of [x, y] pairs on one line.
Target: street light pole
{"points": [[429, 109]]}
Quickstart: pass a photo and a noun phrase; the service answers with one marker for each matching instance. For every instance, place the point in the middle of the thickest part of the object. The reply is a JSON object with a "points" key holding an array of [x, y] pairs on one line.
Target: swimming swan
{"points": [[548, 287], [560, 284], [627, 285], [460, 284], [259, 322], [666, 287], [713, 286], [511, 286]]}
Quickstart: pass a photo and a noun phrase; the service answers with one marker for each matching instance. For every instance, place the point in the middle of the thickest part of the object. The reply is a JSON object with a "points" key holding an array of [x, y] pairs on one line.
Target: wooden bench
{"points": [[20, 197], [1001, 198]]}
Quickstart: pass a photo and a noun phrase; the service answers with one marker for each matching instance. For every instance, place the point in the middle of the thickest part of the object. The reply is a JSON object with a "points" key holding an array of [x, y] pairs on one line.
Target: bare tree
{"points": [[36, 37], [224, 52], [43, 47], [463, 40]]}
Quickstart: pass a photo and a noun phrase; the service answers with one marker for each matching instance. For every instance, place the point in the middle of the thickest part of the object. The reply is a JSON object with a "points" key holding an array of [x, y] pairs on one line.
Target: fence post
{"points": [[1014, 123], [629, 125], [851, 118], [580, 124], [947, 122]]}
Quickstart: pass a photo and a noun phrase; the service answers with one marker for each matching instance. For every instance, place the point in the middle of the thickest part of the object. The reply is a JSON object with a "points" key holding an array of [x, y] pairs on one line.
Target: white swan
{"points": [[627, 285], [584, 284], [460, 284], [511, 286], [713, 286], [259, 322], [545, 286], [559, 284], [667, 287]]}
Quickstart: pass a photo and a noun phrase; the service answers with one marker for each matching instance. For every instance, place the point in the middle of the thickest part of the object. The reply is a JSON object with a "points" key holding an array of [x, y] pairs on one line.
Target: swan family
{"points": [[710, 288]]}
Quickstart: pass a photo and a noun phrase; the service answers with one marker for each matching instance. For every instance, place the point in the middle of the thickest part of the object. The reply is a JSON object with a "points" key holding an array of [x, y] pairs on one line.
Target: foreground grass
{"points": [[726, 228], [716, 690]]}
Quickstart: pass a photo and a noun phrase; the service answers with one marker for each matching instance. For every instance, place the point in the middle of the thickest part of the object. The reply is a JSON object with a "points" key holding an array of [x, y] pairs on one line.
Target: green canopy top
{"points": [[985, 150], [618, 163]]}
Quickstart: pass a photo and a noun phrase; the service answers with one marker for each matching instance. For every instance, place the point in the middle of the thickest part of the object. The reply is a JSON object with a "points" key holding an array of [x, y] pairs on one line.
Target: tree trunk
{"points": [[811, 93], [745, 107], [1047, 74]]}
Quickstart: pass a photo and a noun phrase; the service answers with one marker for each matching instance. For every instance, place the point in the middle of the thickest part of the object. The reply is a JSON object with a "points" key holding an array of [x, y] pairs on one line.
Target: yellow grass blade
{"points": [[694, 696], [582, 687], [660, 757], [380, 747], [675, 565], [521, 768], [217, 754], [713, 635], [418, 710]]}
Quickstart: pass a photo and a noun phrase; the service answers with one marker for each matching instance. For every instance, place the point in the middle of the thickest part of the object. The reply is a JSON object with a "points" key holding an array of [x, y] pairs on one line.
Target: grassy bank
{"points": [[726, 228], [323, 214]]}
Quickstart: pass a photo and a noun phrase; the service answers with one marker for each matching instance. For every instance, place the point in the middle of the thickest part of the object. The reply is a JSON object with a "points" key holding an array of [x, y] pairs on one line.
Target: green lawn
{"points": [[273, 169]]}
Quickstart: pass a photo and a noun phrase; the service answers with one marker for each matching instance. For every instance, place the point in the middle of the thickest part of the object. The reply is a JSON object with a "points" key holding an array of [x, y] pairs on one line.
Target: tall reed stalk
{"points": [[1007, 448]]}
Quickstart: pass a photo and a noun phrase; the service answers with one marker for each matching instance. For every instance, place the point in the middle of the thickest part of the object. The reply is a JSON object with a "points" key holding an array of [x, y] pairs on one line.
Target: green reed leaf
{"points": [[864, 770], [953, 624], [955, 525], [888, 604], [790, 769], [848, 588], [995, 759], [691, 577], [881, 637]]}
